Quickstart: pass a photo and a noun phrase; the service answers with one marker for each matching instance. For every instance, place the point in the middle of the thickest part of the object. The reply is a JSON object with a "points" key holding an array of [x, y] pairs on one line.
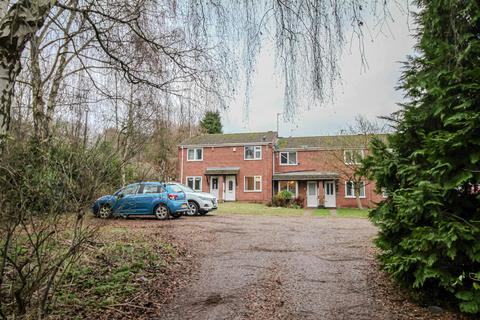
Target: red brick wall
{"points": [[329, 161], [321, 160], [227, 157]]}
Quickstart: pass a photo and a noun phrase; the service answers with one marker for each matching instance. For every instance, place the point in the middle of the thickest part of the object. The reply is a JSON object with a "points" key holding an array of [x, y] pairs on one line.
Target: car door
{"points": [[126, 199], [147, 197]]}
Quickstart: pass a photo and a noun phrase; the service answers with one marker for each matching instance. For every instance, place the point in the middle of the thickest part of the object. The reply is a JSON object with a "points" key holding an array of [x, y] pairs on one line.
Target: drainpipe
{"points": [[181, 168], [273, 168]]}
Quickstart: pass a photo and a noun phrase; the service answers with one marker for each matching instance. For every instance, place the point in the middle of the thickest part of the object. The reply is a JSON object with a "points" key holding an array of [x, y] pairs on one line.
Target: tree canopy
{"points": [[430, 223], [212, 122]]}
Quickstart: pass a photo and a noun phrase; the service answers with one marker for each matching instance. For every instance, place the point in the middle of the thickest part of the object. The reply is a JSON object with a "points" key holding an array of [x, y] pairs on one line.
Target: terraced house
{"points": [[255, 166]]}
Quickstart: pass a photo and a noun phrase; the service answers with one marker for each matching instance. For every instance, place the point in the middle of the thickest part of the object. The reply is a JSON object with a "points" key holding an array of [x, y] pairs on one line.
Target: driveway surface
{"points": [[259, 267]]}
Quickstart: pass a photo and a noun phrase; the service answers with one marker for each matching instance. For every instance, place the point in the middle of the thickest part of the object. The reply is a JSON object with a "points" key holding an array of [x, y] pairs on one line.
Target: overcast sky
{"points": [[369, 92]]}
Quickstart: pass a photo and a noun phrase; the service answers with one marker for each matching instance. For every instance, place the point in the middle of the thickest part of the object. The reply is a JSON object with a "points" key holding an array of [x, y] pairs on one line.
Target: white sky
{"points": [[370, 93]]}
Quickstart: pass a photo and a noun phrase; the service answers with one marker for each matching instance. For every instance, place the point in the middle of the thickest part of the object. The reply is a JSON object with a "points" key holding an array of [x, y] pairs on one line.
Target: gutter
{"points": [[236, 144]]}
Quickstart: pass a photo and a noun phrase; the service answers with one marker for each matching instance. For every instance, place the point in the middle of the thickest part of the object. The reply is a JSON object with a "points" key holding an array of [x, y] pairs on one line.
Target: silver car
{"points": [[199, 203]]}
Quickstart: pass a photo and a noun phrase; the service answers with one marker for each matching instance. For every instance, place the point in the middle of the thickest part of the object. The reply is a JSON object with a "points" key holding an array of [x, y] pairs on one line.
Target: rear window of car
{"points": [[174, 188]]}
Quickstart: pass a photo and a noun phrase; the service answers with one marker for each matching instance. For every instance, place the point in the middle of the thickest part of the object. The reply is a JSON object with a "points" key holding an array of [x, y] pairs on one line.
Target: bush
{"points": [[285, 199], [44, 193]]}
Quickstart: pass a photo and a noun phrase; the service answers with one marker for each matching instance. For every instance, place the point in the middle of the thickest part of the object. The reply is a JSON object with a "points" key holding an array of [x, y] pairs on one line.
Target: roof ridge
{"points": [[336, 135]]}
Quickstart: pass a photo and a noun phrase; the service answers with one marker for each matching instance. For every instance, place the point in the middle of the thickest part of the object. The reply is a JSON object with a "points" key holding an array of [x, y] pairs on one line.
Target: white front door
{"points": [[229, 188], [330, 200], [214, 186], [312, 194]]}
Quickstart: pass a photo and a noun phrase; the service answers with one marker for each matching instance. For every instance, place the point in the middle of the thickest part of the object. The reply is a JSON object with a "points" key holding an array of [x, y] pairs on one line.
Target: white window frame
{"points": [[296, 187], [352, 151], [254, 183], [194, 178], [288, 158], [194, 154], [384, 193], [255, 149], [353, 195]]}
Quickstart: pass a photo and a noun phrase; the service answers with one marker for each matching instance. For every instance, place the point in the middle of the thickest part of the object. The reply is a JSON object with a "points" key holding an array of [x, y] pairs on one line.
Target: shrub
{"points": [[44, 191], [285, 199], [298, 202], [430, 223]]}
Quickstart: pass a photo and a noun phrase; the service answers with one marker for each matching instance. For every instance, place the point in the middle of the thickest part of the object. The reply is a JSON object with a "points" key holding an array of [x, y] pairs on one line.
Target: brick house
{"points": [[255, 166]]}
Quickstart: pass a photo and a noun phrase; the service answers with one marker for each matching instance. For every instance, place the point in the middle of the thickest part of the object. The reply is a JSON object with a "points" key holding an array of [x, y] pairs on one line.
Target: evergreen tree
{"points": [[430, 223], [211, 122]]}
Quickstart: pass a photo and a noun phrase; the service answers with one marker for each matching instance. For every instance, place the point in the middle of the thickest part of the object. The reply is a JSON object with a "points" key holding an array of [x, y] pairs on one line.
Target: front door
{"points": [[330, 200], [230, 188], [312, 194], [214, 186]]}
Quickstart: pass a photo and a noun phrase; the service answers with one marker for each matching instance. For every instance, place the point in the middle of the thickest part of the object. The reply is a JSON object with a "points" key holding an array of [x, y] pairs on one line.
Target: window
{"points": [[352, 156], [174, 188], [289, 186], [350, 190], [288, 158], [253, 184], [195, 154], [195, 183], [131, 189], [384, 193], [152, 188], [253, 153]]}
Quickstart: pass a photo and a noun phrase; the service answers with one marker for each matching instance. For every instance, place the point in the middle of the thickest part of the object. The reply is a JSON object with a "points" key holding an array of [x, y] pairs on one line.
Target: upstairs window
{"points": [[288, 158], [350, 189], [195, 154], [352, 156], [253, 153], [194, 183]]}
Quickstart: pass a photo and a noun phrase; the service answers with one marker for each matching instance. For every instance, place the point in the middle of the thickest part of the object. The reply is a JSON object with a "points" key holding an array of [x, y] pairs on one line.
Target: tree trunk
{"points": [[357, 194], [21, 21], [9, 69], [38, 103]]}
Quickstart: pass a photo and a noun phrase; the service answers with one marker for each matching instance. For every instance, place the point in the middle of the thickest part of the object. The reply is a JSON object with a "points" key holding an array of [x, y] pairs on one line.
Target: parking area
{"points": [[271, 267]]}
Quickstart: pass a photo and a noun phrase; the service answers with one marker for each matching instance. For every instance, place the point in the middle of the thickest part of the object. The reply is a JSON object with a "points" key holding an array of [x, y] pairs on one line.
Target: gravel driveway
{"points": [[258, 267]]}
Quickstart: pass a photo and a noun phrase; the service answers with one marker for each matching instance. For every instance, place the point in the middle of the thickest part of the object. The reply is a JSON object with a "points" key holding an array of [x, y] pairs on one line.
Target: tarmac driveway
{"points": [[267, 267]]}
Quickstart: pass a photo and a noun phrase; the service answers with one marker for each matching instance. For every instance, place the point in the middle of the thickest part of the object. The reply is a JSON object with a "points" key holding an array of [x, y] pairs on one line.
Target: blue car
{"points": [[145, 198]]}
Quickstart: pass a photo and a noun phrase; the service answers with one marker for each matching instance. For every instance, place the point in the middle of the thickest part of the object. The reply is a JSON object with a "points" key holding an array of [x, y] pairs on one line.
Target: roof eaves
{"points": [[225, 144]]}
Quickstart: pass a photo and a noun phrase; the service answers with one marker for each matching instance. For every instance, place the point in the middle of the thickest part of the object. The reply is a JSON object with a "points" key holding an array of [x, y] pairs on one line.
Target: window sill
{"points": [[289, 164], [353, 197], [194, 160], [252, 159], [252, 191]]}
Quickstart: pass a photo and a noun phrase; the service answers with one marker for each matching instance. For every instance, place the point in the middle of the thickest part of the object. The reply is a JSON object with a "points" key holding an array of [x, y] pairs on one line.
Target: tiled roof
{"points": [[305, 175], [328, 142], [231, 139], [222, 170]]}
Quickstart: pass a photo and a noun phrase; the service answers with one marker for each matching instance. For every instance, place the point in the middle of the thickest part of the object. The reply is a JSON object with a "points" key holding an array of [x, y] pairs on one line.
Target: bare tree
{"points": [[354, 142], [309, 35]]}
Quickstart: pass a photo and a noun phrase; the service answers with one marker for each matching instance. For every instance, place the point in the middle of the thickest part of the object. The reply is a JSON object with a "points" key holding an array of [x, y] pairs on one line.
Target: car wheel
{"points": [[105, 212], [192, 208], [161, 212]]}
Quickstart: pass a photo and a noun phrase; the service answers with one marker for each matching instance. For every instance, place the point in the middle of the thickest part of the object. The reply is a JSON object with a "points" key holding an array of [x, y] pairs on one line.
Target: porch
{"points": [[222, 182], [318, 189]]}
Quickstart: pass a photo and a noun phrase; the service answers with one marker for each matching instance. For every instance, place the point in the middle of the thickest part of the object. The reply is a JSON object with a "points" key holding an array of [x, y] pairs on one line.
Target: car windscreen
{"points": [[186, 189], [174, 188]]}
